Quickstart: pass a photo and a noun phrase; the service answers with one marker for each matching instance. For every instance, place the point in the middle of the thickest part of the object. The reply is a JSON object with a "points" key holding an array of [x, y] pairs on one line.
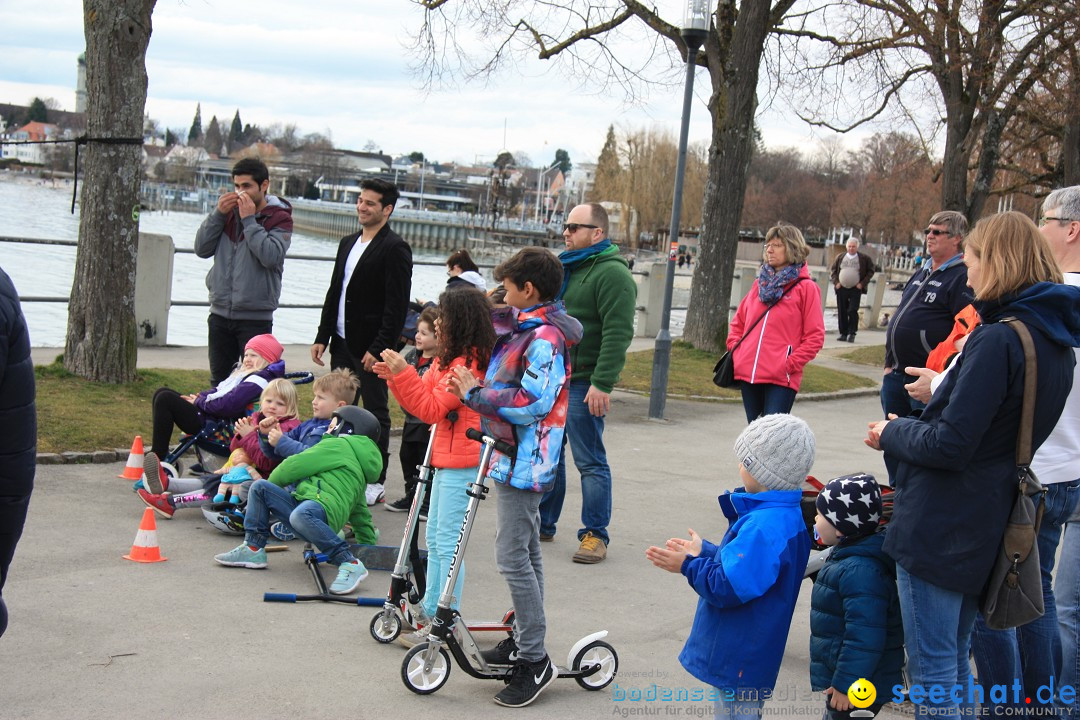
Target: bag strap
{"points": [[762, 315], [1031, 379]]}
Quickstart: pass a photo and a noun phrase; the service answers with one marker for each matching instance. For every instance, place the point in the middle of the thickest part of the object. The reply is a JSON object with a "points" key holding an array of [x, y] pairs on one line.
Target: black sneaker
{"points": [[505, 653], [527, 681], [424, 511], [401, 505]]}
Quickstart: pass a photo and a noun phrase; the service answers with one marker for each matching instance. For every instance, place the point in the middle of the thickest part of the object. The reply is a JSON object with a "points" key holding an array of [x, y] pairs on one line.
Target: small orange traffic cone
{"points": [[145, 549], [134, 468]]}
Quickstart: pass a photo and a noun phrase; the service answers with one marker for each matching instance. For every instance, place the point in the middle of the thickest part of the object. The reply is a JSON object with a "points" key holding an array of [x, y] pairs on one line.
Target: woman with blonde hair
{"points": [[956, 463], [779, 326]]}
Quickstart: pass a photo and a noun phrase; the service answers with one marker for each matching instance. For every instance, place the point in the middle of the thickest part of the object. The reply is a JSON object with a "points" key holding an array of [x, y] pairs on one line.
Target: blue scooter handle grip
{"points": [[279, 597], [501, 445]]}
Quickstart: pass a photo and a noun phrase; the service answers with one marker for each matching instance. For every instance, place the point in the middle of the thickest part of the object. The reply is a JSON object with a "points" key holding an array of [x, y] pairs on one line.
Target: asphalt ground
{"points": [[95, 636]]}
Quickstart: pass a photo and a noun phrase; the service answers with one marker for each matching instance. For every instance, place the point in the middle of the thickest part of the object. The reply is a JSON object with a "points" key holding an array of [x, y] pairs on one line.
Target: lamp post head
{"points": [[695, 25]]}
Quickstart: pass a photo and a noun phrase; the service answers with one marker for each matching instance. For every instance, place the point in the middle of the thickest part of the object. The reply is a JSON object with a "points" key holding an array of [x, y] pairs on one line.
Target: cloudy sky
{"points": [[343, 68]]}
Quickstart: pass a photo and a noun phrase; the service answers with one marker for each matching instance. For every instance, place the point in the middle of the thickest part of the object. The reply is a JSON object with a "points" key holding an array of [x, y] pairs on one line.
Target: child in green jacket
{"points": [[330, 479]]}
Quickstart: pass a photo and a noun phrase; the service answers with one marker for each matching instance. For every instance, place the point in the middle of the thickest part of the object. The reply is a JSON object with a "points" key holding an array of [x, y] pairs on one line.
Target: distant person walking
{"points": [[247, 234], [18, 428], [366, 305], [789, 333], [850, 275]]}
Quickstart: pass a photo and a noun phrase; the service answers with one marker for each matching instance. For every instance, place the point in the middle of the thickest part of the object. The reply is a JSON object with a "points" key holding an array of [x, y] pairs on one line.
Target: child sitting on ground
{"points": [[246, 463], [465, 338], [748, 584], [855, 626], [523, 401], [330, 479], [228, 401]]}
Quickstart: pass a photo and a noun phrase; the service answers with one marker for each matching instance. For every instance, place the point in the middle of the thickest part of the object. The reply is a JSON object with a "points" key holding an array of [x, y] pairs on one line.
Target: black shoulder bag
{"points": [[724, 370], [1013, 595]]}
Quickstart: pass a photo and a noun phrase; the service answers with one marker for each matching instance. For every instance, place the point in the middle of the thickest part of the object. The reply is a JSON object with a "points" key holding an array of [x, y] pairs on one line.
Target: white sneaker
{"points": [[374, 494], [414, 638]]}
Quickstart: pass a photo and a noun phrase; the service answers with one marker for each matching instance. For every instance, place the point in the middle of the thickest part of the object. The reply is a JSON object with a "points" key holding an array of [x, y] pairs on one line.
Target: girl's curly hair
{"points": [[465, 328]]}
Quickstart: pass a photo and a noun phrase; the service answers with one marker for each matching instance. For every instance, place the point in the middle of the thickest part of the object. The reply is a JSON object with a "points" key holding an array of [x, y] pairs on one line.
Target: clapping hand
{"points": [[671, 556]]}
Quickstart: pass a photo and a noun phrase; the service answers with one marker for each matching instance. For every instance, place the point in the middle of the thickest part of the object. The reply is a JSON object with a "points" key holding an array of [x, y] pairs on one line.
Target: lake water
{"points": [[41, 210]]}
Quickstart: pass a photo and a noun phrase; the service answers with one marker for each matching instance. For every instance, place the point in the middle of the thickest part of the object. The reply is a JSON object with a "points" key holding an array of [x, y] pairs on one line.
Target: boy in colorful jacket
{"points": [[523, 401], [748, 584], [330, 480]]}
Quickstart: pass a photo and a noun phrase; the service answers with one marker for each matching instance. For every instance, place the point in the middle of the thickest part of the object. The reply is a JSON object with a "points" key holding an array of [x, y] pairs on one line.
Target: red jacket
{"points": [[789, 336], [430, 401]]}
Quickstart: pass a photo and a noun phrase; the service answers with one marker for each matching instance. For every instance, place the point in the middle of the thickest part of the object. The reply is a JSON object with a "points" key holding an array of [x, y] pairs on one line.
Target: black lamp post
{"points": [[694, 31]]}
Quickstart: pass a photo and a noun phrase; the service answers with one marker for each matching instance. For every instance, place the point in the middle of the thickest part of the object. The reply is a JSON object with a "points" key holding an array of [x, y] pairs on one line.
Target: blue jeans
{"points": [[1067, 598], [766, 399], [585, 433], [1033, 651], [937, 633], [894, 398], [446, 511], [307, 519]]}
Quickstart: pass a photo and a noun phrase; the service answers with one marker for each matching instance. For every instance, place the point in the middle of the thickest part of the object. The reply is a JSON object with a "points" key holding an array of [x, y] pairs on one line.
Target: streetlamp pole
{"points": [[694, 31]]}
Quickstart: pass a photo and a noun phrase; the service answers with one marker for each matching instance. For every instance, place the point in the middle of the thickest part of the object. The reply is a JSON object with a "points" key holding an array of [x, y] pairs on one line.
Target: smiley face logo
{"points": [[862, 693]]}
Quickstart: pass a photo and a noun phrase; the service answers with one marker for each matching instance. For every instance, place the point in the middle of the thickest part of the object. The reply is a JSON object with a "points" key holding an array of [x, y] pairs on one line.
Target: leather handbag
{"points": [[1014, 595], [724, 370]]}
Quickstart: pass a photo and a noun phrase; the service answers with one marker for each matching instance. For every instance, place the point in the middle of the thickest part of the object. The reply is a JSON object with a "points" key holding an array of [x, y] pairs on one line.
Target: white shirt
{"points": [[1058, 459], [350, 265]]}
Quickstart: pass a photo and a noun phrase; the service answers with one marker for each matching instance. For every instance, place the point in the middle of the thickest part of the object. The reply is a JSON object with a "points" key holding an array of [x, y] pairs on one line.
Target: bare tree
{"points": [[627, 43], [972, 61], [101, 330]]}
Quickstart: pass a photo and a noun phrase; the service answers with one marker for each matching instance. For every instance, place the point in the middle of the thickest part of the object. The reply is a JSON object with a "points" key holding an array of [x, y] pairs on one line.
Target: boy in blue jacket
{"points": [[855, 626], [748, 584]]}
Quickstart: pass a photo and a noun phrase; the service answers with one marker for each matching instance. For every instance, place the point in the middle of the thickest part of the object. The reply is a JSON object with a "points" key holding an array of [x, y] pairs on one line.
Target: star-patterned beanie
{"points": [[852, 504], [777, 450]]}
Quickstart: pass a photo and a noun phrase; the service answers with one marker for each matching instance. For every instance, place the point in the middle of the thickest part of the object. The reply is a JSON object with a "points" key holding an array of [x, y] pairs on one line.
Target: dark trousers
{"points": [[226, 340], [373, 394], [411, 455], [847, 309], [766, 399], [169, 411]]}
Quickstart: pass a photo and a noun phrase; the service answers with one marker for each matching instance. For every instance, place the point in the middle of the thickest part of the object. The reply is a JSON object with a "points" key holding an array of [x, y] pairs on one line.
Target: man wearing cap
{"points": [[247, 234]]}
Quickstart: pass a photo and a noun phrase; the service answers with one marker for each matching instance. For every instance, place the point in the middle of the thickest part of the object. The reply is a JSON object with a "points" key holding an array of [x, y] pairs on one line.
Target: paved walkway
{"points": [[96, 636]]}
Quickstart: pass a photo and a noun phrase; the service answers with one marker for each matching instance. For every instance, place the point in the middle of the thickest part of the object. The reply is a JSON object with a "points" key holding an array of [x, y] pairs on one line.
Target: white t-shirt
{"points": [[350, 265], [1058, 459], [849, 271]]}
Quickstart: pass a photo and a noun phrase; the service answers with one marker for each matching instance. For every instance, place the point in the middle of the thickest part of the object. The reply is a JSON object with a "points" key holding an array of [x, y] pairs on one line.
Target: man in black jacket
{"points": [[18, 428], [366, 304], [850, 274]]}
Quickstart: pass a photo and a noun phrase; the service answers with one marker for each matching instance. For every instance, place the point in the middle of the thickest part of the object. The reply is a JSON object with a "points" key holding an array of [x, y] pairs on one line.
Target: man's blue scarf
{"points": [[570, 259]]}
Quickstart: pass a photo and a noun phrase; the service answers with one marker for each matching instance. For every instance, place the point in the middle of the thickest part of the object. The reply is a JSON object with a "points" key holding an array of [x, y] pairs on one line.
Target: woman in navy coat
{"points": [[956, 463]]}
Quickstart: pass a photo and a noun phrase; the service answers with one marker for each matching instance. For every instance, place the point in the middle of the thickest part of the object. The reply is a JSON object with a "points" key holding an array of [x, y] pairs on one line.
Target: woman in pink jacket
{"points": [[770, 359]]}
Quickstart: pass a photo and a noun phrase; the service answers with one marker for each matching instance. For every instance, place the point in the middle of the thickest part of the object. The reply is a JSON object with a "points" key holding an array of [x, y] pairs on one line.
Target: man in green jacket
{"points": [[330, 478], [600, 292]]}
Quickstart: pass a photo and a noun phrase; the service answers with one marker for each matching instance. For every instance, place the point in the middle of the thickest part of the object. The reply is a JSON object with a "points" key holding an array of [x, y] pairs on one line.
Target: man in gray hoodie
{"points": [[247, 234]]}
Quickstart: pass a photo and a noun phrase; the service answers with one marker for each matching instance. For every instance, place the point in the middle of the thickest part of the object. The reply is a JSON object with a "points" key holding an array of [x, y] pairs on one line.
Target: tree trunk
{"points": [[101, 314], [732, 105]]}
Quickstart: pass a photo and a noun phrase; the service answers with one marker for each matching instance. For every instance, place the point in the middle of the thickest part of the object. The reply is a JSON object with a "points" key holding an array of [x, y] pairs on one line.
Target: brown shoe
{"points": [[591, 551], [544, 537]]}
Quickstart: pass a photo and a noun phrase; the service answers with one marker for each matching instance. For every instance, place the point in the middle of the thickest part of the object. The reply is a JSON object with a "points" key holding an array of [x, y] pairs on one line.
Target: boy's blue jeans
{"points": [[585, 434], [937, 633], [446, 512], [307, 519], [517, 555], [1032, 652]]}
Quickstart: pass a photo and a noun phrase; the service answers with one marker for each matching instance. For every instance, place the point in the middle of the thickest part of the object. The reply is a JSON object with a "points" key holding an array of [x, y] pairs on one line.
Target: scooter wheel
{"points": [[420, 680], [597, 653], [385, 627]]}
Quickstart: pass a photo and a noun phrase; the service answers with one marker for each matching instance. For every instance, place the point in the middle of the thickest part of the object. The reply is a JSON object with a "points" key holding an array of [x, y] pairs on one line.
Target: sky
{"points": [[343, 68]]}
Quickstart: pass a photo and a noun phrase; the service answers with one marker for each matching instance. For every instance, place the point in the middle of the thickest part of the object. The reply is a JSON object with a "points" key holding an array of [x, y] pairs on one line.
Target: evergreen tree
{"points": [[38, 111], [195, 133], [606, 185], [236, 132], [170, 137], [213, 140], [563, 159]]}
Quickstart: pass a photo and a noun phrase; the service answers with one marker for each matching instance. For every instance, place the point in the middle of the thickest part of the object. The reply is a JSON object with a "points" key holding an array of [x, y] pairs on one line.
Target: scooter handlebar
{"points": [[501, 445]]}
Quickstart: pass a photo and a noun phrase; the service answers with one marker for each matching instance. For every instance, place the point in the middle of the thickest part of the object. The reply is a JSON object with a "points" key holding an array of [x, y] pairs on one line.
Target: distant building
{"points": [[30, 154], [80, 84]]}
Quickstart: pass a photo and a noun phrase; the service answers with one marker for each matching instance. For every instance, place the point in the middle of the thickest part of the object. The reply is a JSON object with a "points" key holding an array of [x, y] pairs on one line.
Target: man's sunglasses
{"points": [[574, 227], [935, 233]]}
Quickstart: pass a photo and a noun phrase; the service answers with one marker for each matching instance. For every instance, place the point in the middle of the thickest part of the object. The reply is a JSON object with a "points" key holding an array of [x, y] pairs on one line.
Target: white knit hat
{"points": [[777, 450]]}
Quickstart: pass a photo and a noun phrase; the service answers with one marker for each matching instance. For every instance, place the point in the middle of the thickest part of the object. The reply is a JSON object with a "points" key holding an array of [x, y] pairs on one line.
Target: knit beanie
{"points": [[267, 346], [777, 450], [851, 504]]}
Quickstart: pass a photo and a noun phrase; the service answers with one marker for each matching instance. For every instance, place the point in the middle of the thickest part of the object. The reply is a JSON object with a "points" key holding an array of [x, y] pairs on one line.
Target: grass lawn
{"points": [[869, 355], [691, 374], [74, 414]]}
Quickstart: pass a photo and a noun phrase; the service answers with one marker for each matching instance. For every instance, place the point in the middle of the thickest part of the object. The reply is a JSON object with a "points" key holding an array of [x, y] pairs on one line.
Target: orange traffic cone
{"points": [[145, 549], [134, 468]]}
